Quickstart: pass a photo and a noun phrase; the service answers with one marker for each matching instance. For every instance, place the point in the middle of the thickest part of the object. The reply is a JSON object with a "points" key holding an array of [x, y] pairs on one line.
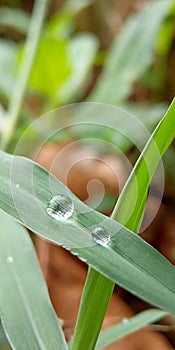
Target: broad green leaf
{"points": [[128, 326], [131, 53], [81, 52], [15, 19], [25, 308], [26, 190]]}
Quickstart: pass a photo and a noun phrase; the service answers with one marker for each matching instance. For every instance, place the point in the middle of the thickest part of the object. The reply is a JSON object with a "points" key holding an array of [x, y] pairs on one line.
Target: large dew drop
{"points": [[100, 236], [125, 320], [60, 208], [9, 259]]}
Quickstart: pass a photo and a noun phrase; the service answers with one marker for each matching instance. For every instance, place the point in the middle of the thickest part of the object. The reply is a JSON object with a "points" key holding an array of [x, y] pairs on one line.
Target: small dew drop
{"points": [[125, 321], [17, 186], [9, 259], [60, 208], [100, 236]]}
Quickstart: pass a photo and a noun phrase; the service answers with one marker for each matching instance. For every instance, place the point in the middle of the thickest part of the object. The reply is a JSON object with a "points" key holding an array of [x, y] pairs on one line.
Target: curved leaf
{"points": [[26, 189]]}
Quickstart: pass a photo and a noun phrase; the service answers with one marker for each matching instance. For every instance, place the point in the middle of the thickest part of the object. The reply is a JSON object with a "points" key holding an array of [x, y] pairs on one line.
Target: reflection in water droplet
{"points": [[125, 321], [60, 208], [100, 236], [9, 259]]}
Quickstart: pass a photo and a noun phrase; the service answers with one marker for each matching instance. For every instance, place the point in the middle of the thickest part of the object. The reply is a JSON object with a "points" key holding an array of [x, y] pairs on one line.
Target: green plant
{"points": [[25, 194]]}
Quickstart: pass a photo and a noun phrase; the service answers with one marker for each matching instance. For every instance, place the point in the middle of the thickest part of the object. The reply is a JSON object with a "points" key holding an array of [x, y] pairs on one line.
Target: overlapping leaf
{"points": [[26, 189], [25, 308]]}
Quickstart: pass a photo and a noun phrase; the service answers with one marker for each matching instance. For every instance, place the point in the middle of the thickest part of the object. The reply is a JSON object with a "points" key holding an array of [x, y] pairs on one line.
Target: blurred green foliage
{"points": [[63, 68]]}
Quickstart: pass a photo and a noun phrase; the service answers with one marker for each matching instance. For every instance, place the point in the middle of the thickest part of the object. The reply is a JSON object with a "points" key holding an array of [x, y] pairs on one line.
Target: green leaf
{"points": [[131, 53], [26, 190], [127, 207], [165, 37], [51, 67], [25, 308], [143, 172], [135, 265], [114, 333]]}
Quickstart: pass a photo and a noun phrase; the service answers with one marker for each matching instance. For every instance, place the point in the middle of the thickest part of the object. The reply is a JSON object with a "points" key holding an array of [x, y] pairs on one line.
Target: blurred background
{"points": [[115, 52]]}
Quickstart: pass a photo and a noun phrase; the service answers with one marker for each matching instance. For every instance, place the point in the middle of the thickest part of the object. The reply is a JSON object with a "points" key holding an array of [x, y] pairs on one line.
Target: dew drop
{"points": [[60, 208], [125, 320], [100, 236], [9, 259], [17, 186]]}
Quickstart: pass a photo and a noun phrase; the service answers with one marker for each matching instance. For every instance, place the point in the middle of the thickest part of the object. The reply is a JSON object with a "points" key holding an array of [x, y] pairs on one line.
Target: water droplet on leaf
{"points": [[100, 236], [60, 208], [17, 186], [9, 259], [125, 320]]}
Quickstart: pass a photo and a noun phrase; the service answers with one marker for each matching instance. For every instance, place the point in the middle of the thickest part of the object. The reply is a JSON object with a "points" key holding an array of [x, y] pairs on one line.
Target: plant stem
{"points": [[94, 302], [97, 293], [17, 98]]}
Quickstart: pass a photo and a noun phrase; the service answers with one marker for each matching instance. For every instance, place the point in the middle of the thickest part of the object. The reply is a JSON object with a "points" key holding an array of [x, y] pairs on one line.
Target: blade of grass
{"points": [[17, 98], [114, 333], [26, 189], [140, 179], [25, 308], [25, 192]]}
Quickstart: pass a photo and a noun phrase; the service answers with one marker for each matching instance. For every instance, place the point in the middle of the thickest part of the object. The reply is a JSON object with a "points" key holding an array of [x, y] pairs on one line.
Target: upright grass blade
{"points": [[94, 302], [143, 172], [25, 308], [16, 101], [128, 215]]}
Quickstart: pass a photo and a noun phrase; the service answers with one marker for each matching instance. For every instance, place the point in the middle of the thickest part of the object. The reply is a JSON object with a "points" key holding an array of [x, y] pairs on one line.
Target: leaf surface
{"points": [[25, 308]]}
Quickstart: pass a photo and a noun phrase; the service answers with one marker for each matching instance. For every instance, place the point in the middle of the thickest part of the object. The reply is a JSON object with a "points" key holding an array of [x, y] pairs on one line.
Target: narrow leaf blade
{"points": [[114, 333], [25, 308]]}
